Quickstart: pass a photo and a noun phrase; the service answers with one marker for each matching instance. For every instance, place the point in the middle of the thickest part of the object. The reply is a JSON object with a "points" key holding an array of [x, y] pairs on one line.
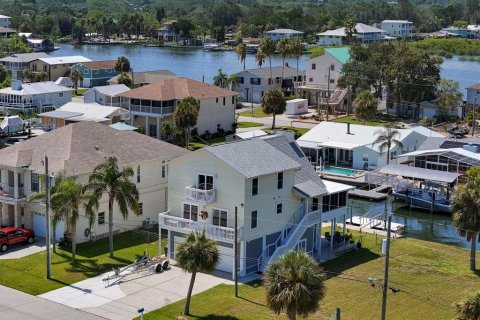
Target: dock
{"points": [[374, 225], [368, 194]]}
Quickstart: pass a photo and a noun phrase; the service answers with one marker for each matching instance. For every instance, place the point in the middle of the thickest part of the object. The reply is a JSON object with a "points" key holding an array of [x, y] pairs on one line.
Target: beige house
{"points": [[56, 67], [151, 104], [75, 150], [280, 201], [143, 78]]}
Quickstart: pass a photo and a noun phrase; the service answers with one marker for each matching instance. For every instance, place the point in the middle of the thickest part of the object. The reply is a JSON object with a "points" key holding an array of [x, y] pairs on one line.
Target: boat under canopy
{"points": [[419, 173]]}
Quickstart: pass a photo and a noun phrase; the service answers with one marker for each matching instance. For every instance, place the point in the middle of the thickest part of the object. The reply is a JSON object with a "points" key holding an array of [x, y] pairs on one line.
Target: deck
{"points": [[377, 226], [367, 194]]}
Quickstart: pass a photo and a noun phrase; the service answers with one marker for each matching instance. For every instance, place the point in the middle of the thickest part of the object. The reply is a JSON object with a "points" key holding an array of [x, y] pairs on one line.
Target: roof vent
{"points": [[470, 147]]}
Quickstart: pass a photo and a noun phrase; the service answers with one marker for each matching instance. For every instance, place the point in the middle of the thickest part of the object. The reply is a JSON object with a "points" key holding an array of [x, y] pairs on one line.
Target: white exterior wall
{"points": [[5, 22], [319, 75], [53, 98], [471, 93], [398, 29], [213, 113], [370, 36], [374, 158], [258, 90], [329, 40]]}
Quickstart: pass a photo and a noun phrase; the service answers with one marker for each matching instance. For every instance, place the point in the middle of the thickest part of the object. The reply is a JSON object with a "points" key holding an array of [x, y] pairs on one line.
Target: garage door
{"points": [[39, 226], [226, 259]]}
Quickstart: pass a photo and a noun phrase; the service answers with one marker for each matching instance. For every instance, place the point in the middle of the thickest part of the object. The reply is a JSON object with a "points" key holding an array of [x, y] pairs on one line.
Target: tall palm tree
{"points": [[185, 116], [233, 81], [221, 79], [296, 47], [284, 49], [267, 46], [28, 75], [76, 76], [469, 309], [260, 57], [350, 30], [387, 137], [196, 253], [108, 178], [466, 211], [241, 51], [122, 64], [365, 106], [294, 284], [273, 102]]}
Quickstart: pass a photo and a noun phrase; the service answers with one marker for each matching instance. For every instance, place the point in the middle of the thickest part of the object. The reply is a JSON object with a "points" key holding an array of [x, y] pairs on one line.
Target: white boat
{"points": [[210, 46]]}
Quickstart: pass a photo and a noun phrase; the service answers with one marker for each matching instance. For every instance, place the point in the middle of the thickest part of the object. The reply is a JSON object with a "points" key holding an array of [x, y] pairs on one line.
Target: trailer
{"points": [[297, 106]]}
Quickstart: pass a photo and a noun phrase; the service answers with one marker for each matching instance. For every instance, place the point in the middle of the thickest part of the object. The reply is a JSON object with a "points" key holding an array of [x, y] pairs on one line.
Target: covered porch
{"points": [[328, 153]]}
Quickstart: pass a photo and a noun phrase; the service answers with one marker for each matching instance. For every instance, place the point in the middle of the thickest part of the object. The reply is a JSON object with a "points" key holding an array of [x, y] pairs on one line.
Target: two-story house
{"points": [[364, 34], [56, 67], [74, 151], [267, 185], [473, 95], [142, 78], [16, 63], [151, 104], [402, 29], [278, 34], [254, 83], [167, 32], [96, 73], [106, 95], [5, 21]]}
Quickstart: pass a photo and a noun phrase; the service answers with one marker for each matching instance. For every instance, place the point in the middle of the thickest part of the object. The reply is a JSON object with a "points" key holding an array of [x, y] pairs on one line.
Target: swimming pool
{"points": [[342, 171]]}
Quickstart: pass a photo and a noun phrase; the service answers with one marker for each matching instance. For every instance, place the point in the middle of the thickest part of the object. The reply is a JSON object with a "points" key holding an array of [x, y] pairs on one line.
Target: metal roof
{"points": [[35, 88], [123, 127], [25, 57], [288, 72], [419, 173], [111, 90], [64, 60], [284, 31], [341, 54], [458, 154]]}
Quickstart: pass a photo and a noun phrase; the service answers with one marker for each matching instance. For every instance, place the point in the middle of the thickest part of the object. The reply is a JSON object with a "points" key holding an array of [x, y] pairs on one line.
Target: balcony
{"points": [[154, 110], [199, 195], [168, 221], [7, 191]]}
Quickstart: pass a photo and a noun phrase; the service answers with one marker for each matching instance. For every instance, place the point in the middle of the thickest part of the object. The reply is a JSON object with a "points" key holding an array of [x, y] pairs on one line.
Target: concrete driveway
{"points": [[23, 250], [121, 301]]}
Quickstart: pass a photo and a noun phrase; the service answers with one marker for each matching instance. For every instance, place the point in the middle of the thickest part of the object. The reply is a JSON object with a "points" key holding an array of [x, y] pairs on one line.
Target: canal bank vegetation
{"points": [[450, 47]]}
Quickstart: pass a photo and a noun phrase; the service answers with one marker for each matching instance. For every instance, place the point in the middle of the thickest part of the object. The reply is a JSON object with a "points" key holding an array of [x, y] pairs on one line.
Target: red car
{"points": [[11, 236]]}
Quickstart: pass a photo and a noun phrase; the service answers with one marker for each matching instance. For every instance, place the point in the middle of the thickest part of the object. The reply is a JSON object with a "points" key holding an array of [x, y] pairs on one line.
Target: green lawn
{"points": [[257, 113], [28, 274], [200, 144], [430, 276], [300, 131], [80, 92], [249, 124], [352, 120]]}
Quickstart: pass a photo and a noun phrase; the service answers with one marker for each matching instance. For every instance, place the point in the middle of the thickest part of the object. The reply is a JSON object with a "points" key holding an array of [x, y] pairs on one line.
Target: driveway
{"points": [[23, 250], [121, 301], [15, 304]]}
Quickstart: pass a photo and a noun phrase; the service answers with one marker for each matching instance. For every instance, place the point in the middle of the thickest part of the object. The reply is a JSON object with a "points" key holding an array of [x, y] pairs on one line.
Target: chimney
{"points": [[348, 128]]}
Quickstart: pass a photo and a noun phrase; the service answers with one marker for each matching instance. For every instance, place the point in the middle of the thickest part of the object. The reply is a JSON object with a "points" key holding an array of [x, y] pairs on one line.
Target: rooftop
{"points": [[459, 154], [396, 21], [97, 65], [25, 57], [4, 17], [148, 76], [36, 88], [111, 90], [78, 111], [73, 149], [123, 127], [276, 72], [360, 27], [7, 30], [64, 60], [177, 89], [291, 31], [475, 86], [342, 54]]}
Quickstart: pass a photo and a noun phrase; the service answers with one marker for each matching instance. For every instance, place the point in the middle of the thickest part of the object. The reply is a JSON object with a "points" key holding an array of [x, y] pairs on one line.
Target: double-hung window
{"points": [[190, 212], [254, 186], [220, 217], [280, 180], [254, 218], [205, 182]]}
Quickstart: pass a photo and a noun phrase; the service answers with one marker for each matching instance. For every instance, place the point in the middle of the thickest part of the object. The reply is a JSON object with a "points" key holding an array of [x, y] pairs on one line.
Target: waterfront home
{"points": [[16, 63], [473, 95], [167, 32], [80, 112], [322, 74], [40, 45], [34, 97], [278, 198], [471, 31], [351, 145], [430, 109], [6, 32], [143, 78], [74, 151], [402, 29], [364, 34], [106, 95], [96, 73], [5, 21], [254, 83], [56, 67], [278, 34], [152, 104]]}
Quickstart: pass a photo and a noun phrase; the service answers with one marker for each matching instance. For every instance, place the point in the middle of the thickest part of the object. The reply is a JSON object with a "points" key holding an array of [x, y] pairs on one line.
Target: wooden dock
{"points": [[369, 224], [367, 194]]}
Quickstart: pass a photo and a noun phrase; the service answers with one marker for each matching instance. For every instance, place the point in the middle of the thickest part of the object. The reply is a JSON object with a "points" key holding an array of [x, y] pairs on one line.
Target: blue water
{"points": [[465, 72], [342, 171]]}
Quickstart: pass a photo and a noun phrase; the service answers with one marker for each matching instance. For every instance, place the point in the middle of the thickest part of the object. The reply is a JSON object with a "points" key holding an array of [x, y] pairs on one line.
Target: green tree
{"points": [[124, 78], [273, 102], [221, 79], [387, 138], [462, 24], [3, 73], [122, 64], [41, 76], [233, 81], [296, 47], [469, 309], [294, 285], [448, 96], [241, 51], [196, 254], [284, 49], [115, 182], [365, 106], [260, 57], [28, 75], [466, 211], [267, 47], [350, 30], [76, 76], [168, 129], [186, 115]]}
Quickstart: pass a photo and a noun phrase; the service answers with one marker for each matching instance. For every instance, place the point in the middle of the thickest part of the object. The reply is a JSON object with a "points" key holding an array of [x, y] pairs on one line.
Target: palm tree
{"points": [[296, 47], [284, 49], [469, 309], [241, 50], [267, 46], [41, 76], [260, 57], [124, 78], [221, 79], [186, 115], [76, 76], [108, 178], [365, 106], [122, 64], [350, 30], [28, 75], [197, 253], [294, 284], [233, 81], [466, 211], [273, 102], [387, 137]]}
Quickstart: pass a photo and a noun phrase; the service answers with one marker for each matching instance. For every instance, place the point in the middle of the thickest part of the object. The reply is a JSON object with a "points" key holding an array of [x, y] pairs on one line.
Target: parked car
{"points": [[12, 236]]}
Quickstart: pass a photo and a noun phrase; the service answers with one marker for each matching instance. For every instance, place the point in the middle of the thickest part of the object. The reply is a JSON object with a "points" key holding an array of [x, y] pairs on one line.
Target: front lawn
{"points": [[243, 125], [257, 113], [297, 130], [28, 274], [80, 92], [353, 120], [194, 145], [430, 276]]}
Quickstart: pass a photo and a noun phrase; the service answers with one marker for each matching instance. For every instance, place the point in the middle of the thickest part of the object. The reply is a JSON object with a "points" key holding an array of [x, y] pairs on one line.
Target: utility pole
{"points": [[473, 107], [337, 314], [235, 255], [47, 219], [385, 276]]}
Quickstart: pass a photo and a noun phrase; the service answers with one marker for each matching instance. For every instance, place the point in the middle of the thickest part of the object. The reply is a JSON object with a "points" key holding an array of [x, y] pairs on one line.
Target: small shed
{"points": [[297, 106]]}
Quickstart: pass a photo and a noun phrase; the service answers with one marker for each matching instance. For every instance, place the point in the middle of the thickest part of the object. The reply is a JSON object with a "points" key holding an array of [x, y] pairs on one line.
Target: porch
{"points": [[328, 153]]}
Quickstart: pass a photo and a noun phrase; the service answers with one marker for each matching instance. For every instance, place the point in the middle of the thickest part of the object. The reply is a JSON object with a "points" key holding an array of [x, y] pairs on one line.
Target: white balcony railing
{"points": [[214, 232], [7, 191], [199, 195]]}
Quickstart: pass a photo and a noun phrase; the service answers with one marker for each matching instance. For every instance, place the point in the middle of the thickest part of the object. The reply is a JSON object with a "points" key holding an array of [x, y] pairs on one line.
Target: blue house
{"points": [[96, 73], [473, 94]]}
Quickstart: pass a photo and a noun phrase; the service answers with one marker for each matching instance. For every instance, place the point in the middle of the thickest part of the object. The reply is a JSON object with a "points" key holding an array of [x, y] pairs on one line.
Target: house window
{"points": [[393, 154], [85, 71], [240, 80], [164, 169], [60, 95], [34, 182], [254, 186], [314, 66], [216, 100], [233, 99], [332, 67], [270, 81], [34, 67], [314, 204], [365, 157], [220, 217], [254, 218], [310, 79], [190, 212], [332, 80], [101, 218], [255, 81], [224, 99], [205, 182], [219, 126], [280, 180], [95, 71], [140, 208], [138, 174], [44, 68], [279, 208]]}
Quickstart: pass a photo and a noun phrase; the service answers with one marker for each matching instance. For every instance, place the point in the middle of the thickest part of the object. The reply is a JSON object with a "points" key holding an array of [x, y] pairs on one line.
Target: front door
{"points": [[152, 130]]}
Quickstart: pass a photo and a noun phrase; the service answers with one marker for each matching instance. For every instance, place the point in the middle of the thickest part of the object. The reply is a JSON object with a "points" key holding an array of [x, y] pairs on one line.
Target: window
{"points": [[332, 80], [85, 71], [220, 217], [314, 204], [393, 155], [233, 99], [34, 182], [224, 99], [270, 81], [138, 174], [279, 208], [60, 95], [254, 186], [310, 79], [34, 67], [219, 126], [332, 67], [255, 81], [205, 182], [240, 80], [44, 68], [190, 212], [365, 157], [216, 100], [253, 222], [140, 208], [101, 218], [314, 66], [280, 180], [95, 71], [164, 169]]}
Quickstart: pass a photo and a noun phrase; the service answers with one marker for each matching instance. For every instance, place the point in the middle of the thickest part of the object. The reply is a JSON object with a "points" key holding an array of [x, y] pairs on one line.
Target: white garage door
{"points": [[39, 226], [226, 260]]}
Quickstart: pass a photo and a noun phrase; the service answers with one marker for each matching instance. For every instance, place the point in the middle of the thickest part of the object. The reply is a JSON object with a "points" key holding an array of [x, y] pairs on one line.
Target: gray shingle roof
{"points": [[436, 143], [253, 158], [25, 57], [276, 72], [111, 90]]}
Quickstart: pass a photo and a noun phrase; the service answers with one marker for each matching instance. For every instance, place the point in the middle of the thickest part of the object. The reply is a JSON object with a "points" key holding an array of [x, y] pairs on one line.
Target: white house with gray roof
{"points": [[278, 34], [107, 95], [5, 21], [280, 201], [16, 63], [254, 83], [365, 34]]}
